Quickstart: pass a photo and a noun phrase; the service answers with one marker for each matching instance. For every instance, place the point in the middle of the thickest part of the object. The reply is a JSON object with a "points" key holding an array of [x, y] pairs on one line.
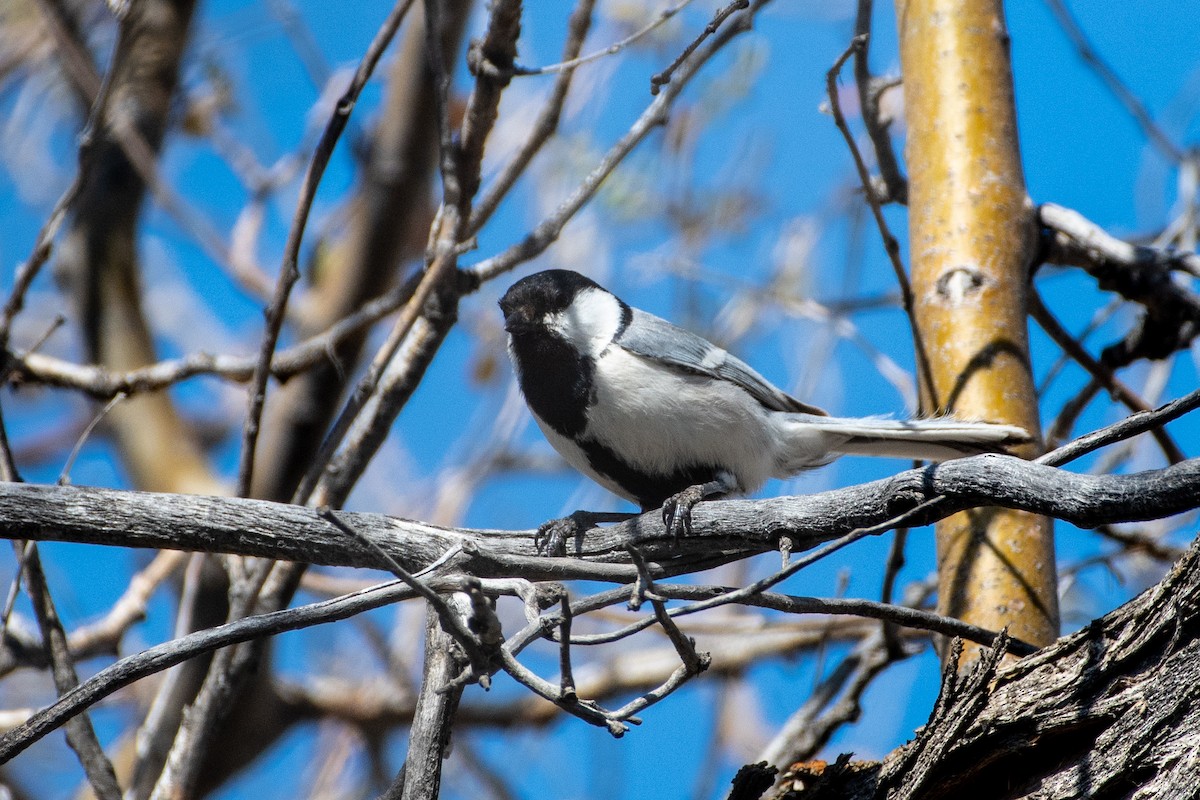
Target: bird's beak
{"points": [[518, 319]]}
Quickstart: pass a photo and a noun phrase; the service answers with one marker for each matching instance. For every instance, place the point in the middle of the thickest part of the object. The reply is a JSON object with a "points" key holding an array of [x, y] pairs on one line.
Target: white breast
{"points": [[574, 455], [659, 419]]}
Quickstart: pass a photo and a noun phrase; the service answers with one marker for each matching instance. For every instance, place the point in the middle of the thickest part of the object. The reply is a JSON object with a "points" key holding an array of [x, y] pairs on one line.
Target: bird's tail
{"points": [[935, 439]]}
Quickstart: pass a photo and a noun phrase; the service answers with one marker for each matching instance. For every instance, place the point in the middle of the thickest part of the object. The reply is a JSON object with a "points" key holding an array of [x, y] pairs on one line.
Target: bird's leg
{"points": [[551, 537], [677, 509]]}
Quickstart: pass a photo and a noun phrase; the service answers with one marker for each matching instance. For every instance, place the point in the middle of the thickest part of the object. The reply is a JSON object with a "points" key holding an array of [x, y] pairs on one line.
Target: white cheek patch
{"points": [[591, 321]]}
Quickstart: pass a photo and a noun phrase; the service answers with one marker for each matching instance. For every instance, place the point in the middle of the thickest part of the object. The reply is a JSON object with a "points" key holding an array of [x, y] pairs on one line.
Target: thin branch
{"points": [[903, 615], [303, 42], [103, 383], [894, 184], [1141, 542], [543, 127], [586, 710], [42, 247], [890, 244], [64, 475], [451, 622], [655, 115], [1125, 97], [1069, 414], [80, 734], [290, 271], [491, 60], [566, 677], [1124, 429], [1099, 318], [163, 656], [891, 569], [695, 662], [661, 79], [811, 726], [569, 63], [8, 472], [1100, 374], [761, 585]]}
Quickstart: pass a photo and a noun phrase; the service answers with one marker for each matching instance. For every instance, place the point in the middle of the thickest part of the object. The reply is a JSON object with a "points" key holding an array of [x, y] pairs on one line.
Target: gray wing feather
{"points": [[655, 338]]}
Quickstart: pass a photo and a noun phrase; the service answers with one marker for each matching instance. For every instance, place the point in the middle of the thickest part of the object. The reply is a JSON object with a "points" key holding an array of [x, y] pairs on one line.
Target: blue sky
{"points": [[766, 141]]}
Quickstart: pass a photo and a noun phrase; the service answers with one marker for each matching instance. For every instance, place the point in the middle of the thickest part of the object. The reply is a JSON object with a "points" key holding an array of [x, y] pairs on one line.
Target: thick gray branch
{"points": [[723, 531]]}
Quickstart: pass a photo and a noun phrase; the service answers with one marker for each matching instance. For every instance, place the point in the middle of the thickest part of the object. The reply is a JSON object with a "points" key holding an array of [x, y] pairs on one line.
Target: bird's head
{"points": [[565, 304]]}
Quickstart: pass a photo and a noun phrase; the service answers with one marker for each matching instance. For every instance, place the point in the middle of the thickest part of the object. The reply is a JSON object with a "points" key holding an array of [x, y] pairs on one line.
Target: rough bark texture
{"points": [[972, 243], [1112, 711], [722, 531], [429, 736]]}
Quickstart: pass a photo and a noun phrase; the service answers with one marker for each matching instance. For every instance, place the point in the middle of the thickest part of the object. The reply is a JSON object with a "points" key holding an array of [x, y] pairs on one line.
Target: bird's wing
{"points": [[653, 337]]}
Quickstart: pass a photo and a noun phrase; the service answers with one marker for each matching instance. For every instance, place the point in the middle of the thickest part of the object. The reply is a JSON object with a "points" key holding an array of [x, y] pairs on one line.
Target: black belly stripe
{"points": [[650, 489]]}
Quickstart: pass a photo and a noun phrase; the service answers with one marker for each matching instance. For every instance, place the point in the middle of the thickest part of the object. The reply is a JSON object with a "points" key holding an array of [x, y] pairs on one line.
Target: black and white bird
{"points": [[665, 418]]}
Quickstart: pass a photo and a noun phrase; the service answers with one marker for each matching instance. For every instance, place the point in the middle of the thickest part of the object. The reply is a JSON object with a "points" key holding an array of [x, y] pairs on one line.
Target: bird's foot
{"points": [[551, 537], [677, 511]]}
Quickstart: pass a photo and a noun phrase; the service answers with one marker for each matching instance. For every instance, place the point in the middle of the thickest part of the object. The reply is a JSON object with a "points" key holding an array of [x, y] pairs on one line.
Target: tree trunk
{"points": [[1112, 711], [971, 237]]}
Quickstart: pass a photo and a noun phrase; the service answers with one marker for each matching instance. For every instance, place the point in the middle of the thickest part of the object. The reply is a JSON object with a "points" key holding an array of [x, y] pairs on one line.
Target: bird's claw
{"points": [[677, 511], [551, 537]]}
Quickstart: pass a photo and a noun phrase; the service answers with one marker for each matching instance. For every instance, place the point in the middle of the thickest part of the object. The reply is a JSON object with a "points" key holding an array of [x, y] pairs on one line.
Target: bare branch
{"points": [[160, 657], [1139, 274], [1127, 428], [810, 727], [724, 530], [890, 244], [80, 734], [1100, 373], [894, 185], [655, 114], [421, 776], [289, 272], [569, 63], [102, 383], [1133, 105], [544, 126], [450, 621], [660, 79]]}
